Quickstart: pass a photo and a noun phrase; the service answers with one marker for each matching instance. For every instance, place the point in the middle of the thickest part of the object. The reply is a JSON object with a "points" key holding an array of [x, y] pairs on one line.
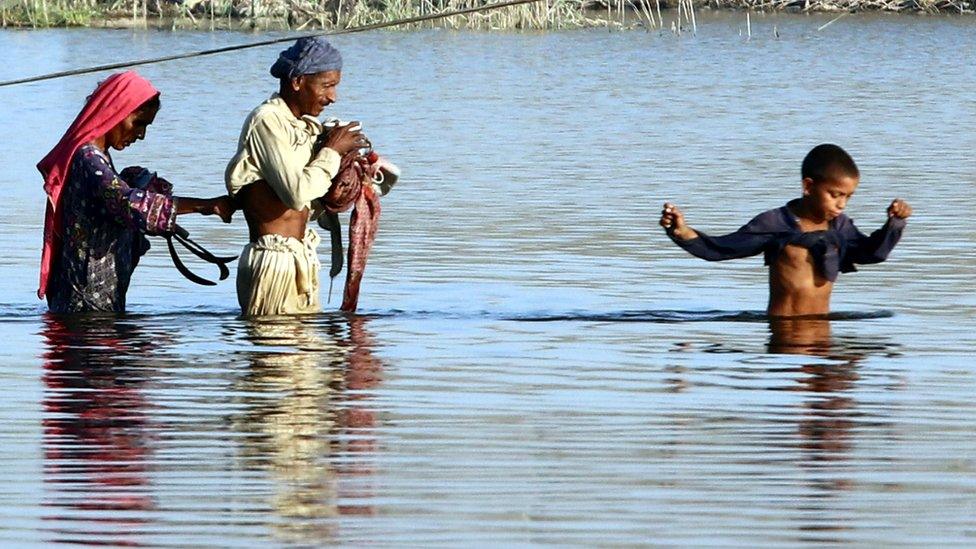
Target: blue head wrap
{"points": [[307, 56]]}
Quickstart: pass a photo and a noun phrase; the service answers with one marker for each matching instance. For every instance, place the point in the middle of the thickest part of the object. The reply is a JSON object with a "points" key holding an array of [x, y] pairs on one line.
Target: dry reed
{"points": [[340, 14]]}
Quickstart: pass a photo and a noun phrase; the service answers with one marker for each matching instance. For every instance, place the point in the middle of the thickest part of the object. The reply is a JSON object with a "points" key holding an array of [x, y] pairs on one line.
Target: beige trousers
{"points": [[278, 275]]}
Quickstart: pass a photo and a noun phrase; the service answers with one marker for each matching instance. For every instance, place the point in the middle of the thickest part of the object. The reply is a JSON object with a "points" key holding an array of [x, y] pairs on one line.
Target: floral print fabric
{"points": [[104, 225]]}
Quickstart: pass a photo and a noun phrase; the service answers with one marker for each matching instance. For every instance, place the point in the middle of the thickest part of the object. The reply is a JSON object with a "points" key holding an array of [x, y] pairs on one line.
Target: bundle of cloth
{"points": [[362, 178]]}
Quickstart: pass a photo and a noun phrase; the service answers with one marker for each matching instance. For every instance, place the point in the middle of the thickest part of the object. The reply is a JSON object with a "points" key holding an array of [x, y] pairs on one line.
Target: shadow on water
{"points": [[298, 403], [12, 313]]}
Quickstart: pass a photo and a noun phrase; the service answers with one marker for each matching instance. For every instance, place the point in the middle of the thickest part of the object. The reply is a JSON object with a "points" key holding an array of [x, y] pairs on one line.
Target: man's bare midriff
{"points": [[267, 214], [795, 286]]}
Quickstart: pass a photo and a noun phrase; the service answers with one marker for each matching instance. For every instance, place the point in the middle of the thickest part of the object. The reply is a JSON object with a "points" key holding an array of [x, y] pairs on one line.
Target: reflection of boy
{"points": [[807, 242]]}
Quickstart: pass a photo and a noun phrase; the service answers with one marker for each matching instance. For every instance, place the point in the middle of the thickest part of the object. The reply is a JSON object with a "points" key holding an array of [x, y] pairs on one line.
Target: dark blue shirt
{"points": [[835, 250]]}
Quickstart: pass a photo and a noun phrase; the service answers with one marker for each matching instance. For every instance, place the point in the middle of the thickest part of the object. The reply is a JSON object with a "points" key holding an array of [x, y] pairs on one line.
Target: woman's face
{"points": [[132, 129]]}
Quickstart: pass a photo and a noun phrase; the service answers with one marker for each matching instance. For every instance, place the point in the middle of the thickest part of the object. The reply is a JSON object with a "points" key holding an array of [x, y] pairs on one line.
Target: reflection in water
{"points": [[304, 421], [95, 436], [110, 397], [826, 433], [829, 416]]}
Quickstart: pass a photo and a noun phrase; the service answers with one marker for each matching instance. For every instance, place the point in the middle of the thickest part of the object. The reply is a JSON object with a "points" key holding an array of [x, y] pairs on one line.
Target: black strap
{"points": [[183, 237]]}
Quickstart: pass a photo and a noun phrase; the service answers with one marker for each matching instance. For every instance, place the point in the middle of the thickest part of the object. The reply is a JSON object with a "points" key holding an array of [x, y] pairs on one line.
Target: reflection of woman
{"points": [[96, 446], [96, 217]]}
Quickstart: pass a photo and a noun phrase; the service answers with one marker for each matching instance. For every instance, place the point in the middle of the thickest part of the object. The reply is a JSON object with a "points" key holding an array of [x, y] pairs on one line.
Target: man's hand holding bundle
{"points": [[344, 139]]}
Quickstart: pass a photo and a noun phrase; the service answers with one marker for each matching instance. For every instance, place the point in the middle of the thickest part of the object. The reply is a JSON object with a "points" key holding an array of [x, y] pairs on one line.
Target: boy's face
{"points": [[827, 199]]}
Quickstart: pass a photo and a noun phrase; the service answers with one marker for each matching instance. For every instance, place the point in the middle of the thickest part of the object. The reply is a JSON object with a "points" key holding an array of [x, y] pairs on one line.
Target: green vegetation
{"points": [[338, 14], [41, 13]]}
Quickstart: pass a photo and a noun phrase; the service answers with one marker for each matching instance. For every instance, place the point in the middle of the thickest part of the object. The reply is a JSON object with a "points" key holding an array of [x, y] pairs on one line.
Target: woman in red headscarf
{"points": [[97, 217]]}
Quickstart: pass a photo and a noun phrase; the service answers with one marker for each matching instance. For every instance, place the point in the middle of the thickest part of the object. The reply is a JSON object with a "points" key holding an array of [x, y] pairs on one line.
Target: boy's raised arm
{"points": [[749, 240], [876, 247]]}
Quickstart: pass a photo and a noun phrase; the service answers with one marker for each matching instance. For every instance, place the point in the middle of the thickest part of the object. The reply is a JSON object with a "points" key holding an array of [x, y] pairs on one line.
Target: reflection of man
{"points": [[278, 178], [300, 423]]}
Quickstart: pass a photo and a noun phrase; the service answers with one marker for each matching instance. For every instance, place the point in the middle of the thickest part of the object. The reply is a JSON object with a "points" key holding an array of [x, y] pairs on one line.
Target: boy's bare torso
{"points": [[796, 287]]}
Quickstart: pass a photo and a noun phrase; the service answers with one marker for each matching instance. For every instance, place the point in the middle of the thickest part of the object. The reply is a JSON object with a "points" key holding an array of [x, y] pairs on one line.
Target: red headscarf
{"points": [[112, 101]]}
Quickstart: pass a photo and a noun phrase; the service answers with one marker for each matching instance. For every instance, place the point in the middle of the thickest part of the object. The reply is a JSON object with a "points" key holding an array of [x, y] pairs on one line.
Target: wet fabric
{"points": [[104, 221], [278, 275], [307, 56], [115, 98], [363, 224], [834, 250], [353, 187]]}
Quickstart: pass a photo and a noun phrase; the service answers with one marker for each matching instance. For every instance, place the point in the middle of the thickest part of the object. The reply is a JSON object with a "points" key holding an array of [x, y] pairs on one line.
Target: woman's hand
{"points": [[223, 206]]}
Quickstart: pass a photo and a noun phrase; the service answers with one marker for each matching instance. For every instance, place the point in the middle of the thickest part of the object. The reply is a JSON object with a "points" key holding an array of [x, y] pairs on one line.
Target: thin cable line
{"points": [[225, 49]]}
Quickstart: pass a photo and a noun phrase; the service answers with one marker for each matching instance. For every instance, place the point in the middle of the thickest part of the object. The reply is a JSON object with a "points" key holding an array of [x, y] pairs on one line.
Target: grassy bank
{"points": [[337, 14]]}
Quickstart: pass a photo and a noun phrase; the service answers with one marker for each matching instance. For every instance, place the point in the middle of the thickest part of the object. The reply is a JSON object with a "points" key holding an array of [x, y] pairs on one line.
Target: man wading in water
{"points": [[278, 176]]}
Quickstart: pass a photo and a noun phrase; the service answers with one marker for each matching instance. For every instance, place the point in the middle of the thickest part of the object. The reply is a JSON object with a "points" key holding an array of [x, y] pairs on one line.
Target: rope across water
{"points": [[225, 49]]}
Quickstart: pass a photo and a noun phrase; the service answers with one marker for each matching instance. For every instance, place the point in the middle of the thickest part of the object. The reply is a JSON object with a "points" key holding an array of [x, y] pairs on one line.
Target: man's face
{"points": [[828, 198], [316, 91]]}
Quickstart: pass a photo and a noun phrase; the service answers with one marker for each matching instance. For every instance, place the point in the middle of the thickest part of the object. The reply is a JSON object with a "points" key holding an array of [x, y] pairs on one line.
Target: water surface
{"points": [[535, 363]]}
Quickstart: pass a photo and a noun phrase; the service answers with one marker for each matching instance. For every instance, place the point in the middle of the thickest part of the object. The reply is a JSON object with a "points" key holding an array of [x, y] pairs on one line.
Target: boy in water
{"points": [[807, 242]]}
